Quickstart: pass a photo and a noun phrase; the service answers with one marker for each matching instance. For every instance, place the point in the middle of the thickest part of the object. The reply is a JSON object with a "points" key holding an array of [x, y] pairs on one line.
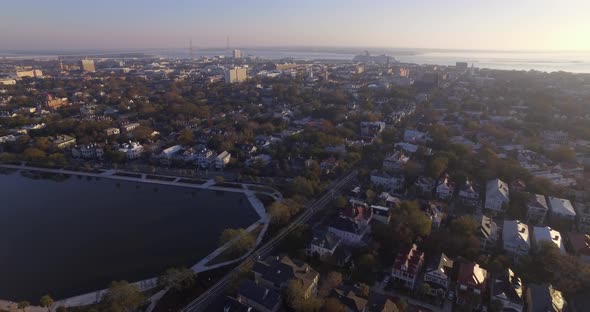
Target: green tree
{"points": [[23, 305], [424, 289], [333, 305], [177, 278], [331, 281], [437, 166], [298, 301], [240, 241], [219, 180], [186, 137], [364, 290], [46, 301], [123, 297]]}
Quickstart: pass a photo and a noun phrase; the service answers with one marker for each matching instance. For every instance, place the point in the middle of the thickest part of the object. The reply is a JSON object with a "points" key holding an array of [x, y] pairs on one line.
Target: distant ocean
{"points": [[576, 62]]}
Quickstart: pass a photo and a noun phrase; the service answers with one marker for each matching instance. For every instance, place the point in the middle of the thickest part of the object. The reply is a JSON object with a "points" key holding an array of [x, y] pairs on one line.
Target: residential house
{"points": [[548, 234], [372, 129], [583, 217], [132, 150], [360, 214], [170, 151], [434, 212], [507, 288], [407, 266], [112, 131], [222, 160], [128, 127], [349, 298], [469, 193], [497, 196], [438, 274], [544, 298], [471, 282], [579, 244], [561, 210], [277, 272], [445, 188], [380, 303], [90, 151], [395, 162], [425, 186], [383, 180], [259, 297], [233, 305], [381, 214], [516, 239], [323, 244], [488, 234], [414, 136], [390, 201], [536, 209], [63, 141], [349, 231]]}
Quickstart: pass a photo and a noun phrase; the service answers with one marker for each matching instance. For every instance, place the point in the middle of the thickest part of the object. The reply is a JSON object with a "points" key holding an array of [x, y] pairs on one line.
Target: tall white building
{"points": [[237, 54], [235, 75]]}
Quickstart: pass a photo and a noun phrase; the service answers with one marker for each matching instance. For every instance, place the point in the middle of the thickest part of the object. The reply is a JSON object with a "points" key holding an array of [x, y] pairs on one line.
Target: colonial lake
{"points": [[68, 235]]}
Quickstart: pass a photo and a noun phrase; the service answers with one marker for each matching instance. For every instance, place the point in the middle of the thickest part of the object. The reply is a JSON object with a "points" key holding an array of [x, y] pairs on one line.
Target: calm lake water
{"points": [[73, 236]]}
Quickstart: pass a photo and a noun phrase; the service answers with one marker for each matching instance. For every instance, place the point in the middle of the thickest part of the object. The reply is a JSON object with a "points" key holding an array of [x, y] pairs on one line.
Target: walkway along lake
{"points": [[68, 235]]}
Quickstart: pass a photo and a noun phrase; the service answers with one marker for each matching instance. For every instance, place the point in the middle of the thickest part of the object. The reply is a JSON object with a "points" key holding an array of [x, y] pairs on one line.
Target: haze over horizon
{"points": [[541, 25]]}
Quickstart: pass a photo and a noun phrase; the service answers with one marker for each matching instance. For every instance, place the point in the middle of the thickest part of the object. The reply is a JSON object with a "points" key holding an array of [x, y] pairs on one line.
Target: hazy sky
{"points": [[462, 24]]}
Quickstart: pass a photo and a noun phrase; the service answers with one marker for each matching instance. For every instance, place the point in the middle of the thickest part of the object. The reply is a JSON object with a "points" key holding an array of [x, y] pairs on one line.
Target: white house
{"points": [[381, 214], [548, 234], [132, 150], [222, 159], [323, 244], [516, 238], [497, 195], [561, 209]]}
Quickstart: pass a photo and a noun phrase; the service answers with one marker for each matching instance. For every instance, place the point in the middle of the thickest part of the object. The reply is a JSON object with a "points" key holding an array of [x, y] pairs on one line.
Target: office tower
{"points": [[237, 54]]}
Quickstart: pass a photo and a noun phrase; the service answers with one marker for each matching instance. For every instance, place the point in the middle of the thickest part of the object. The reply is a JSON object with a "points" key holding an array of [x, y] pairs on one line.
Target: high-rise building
{"points": [[461, 65], [87, 66], [237, 54], [236, 74]]}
